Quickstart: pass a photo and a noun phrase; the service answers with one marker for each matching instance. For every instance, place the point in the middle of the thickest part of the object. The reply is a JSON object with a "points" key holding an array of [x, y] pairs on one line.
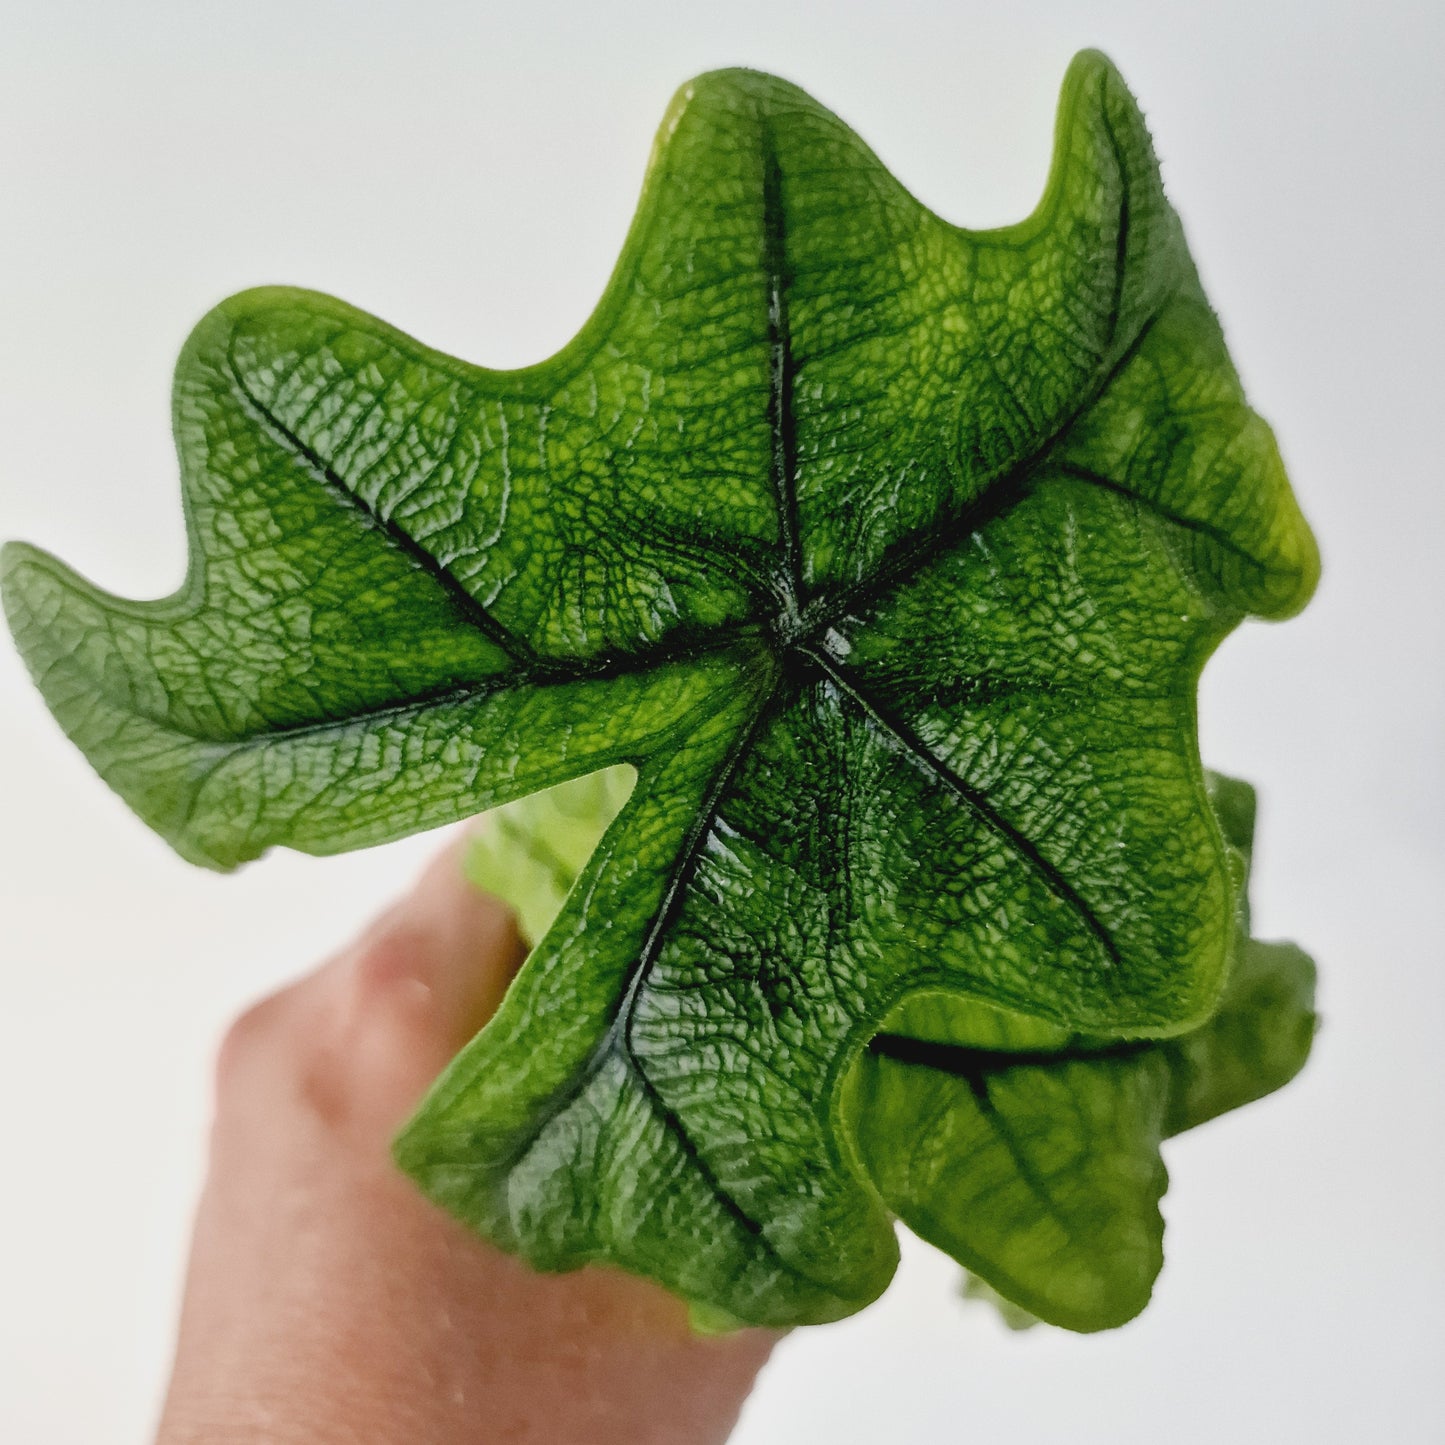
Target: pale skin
{"points": [[327, 1301]]}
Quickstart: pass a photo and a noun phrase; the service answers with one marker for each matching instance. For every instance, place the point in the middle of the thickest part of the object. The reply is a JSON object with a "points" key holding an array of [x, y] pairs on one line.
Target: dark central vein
{"points": [[782, 424], [974, 797], [907, 557], [617, 1041], [517, 648], [972, 1064], [1217, 535], [975, 1072]]}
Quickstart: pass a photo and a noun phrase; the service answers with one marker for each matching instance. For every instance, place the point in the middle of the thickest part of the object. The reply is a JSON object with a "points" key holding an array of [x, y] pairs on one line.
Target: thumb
{"points": [[451, 946], [395, 1007]]}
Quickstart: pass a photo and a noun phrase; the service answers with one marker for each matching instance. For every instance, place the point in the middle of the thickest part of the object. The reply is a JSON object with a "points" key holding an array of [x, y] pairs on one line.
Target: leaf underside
{"points": [[1039, 1168], [886, 553], [1027, 1153]]}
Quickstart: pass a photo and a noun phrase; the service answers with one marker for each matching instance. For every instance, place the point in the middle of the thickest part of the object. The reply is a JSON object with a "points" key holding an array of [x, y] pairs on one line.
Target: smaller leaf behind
{"points": [[1014, 1318], [530, 851], [1039, 1169], [1028, 1154], [1042, 1178]]}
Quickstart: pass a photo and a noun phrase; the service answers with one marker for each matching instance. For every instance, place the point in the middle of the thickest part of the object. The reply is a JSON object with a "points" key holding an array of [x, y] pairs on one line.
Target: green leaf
{"points": [[1028, 1153], [1014, 1317], [1043, 1177], [887, 553], [531, 851], [1041, 1171]]}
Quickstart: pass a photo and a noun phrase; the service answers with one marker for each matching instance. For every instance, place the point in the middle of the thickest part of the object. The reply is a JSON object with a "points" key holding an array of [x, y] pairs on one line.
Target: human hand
{"points": [[328, 1301]]}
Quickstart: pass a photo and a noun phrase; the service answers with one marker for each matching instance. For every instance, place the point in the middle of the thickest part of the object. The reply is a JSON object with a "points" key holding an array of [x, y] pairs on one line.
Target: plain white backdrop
{"points": [[467, 171]]}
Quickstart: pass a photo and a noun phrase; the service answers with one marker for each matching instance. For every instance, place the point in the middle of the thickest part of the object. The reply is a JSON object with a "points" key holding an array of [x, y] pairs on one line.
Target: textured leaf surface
{"points": [[1029, 1154], [1041, 1172], [886, 552], [1035, 1162]]}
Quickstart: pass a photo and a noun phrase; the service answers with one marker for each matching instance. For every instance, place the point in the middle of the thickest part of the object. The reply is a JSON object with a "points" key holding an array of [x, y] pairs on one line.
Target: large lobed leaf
{"points": [[887, 553], [1028, 1153]]}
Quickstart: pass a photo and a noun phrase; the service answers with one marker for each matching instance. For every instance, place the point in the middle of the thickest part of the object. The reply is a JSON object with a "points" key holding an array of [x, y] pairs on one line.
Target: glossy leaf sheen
{"points": [[887, 553], [1040, 1170], [1028, 1153]]}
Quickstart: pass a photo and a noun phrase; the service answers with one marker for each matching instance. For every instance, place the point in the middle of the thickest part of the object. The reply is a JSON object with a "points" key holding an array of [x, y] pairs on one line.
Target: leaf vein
{"points": [[916, 748], [516, 647]]}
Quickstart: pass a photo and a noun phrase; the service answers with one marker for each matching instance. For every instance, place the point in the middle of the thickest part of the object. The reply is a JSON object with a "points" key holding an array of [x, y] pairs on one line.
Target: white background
{"points": [[467, 172]]}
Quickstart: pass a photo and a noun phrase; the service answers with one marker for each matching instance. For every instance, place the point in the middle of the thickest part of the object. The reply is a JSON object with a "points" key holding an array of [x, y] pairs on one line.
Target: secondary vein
{"points": [[973, 797], [517, 648], [617, 1041], [782, 422]]}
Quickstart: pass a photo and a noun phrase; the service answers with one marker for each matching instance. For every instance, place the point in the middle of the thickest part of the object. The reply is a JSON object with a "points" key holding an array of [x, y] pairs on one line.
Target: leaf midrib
{"points": [[975, 798], [782, 372], [799, 616], [517, 649], [793, 623], [964, 1061], [796, 620], [616, 1041]]}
